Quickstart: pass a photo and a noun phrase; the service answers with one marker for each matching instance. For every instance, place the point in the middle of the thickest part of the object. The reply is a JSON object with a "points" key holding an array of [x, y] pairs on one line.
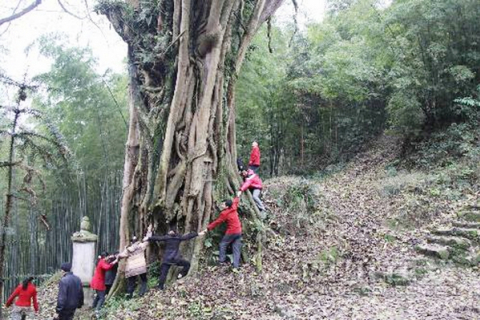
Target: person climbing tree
{"points": [[171, 255], [98, 280], [254, 162], [70, 293], [253, 183], [26, 293], [136, 264], [233, 234]]}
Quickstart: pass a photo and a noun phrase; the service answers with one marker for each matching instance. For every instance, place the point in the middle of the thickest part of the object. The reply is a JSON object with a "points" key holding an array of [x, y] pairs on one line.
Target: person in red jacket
{"points": [[26, 293], [233, 234], [104, 264], [254, 162], [253, 183]]}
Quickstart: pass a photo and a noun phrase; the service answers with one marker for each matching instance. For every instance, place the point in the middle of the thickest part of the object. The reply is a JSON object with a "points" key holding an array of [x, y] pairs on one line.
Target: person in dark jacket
{"points": [[171, 255], [111, 274], [240, 165], [70, 293], [233, 234], [26, 294]]}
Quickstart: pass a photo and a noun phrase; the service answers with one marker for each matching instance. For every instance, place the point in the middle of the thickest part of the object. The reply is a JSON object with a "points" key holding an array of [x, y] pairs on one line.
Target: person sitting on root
{"points": [[171, 255], [27, 294], [253, 183], [233, 234], [98, 280], [136, 264]]}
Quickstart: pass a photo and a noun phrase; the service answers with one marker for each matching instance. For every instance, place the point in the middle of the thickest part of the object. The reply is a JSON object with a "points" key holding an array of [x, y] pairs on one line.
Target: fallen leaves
{"points": [[331, 255]]}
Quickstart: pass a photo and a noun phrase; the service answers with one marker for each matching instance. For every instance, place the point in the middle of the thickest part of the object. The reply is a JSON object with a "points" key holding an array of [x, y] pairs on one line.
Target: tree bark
{"points": [[8, 203], [184, 59]]}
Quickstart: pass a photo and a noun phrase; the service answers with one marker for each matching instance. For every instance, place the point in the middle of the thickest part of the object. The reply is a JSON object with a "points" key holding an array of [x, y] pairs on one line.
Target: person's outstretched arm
{"points": [[235, 202], [246, 185], [34, 298], [221, 218], [189, 236], [12, 296], [107, 265], [158, 238], [123, 254]]}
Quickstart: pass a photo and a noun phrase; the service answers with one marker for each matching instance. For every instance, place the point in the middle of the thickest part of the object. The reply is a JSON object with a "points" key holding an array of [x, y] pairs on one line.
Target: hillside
{"points": [[341, 246]]}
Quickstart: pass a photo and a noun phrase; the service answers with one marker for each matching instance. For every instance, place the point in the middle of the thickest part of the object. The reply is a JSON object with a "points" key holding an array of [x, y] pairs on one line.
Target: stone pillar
{"points": [[83, 261]]}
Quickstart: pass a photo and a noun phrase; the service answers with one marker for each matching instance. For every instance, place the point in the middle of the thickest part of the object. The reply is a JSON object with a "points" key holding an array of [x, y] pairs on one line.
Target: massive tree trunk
{"points": [[8, 203], [184, 58]]}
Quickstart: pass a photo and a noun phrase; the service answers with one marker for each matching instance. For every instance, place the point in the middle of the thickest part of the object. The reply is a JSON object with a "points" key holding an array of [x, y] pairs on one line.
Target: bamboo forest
{"points": [[239, 159]]}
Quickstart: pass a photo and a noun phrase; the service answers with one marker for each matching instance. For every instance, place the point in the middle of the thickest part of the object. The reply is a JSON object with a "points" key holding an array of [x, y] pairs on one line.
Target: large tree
{"points": [[184, 57]]}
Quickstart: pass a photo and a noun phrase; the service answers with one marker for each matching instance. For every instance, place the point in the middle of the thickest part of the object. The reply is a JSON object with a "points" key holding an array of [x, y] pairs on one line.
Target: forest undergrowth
{"points": [[341, 246]]}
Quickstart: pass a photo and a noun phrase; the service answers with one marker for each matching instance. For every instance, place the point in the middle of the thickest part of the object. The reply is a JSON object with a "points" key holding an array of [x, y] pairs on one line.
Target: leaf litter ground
{"points": [[334, 253]]}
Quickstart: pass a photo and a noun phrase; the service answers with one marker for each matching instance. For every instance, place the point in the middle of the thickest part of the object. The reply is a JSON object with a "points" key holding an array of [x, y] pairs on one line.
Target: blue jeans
{"points": [[236, 241]]}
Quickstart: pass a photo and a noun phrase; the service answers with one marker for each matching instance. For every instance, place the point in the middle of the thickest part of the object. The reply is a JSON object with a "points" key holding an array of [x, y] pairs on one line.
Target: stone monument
{"points": [[83, 261]]}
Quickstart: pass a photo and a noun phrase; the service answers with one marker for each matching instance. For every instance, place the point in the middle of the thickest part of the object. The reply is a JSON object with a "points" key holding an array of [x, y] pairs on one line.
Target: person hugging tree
{"points": [[171, 255], [136, 264], [98, 280]]}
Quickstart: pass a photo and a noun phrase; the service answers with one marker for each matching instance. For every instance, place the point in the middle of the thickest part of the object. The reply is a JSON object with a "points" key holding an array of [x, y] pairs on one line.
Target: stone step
{"points": [[399, 278], [473, 216], [471, 260], [433, 250], [473, 206], [455, 242], [472, 234], [466, 224]]}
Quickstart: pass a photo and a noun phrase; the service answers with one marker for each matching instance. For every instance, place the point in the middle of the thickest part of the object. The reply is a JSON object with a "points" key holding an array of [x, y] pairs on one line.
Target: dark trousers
{"points": [[236, 241], [253, 167], [132, 282], [108, 286], [99, 299], [166, 266], [66, 315]]}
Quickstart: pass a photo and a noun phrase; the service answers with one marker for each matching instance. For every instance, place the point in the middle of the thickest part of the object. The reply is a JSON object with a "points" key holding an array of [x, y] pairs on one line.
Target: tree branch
{"points": [[21, 13], [8, 164], [67, 11], [269, 9]]}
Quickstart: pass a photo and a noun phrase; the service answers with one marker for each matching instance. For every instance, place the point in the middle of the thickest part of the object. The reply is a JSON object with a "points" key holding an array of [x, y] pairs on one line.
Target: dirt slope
{"points": [[341, 247]]}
